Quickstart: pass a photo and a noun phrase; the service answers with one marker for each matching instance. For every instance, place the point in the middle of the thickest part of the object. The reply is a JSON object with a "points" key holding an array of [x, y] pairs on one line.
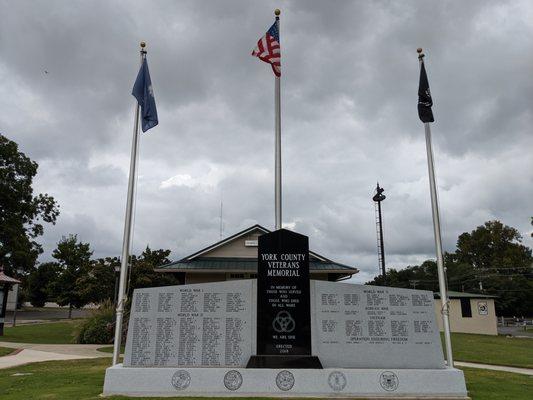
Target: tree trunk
{"points": [[70, 311]]}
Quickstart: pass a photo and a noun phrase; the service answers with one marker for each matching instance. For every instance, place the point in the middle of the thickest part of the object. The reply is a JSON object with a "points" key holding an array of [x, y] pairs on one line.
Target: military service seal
{"points": [[233, 380], [181, 379], [337, 381], [389, 381], [285, 380]]}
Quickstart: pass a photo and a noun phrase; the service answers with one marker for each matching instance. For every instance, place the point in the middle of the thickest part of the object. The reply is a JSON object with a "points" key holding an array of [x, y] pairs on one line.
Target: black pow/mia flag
{"points": [[424, 97]]}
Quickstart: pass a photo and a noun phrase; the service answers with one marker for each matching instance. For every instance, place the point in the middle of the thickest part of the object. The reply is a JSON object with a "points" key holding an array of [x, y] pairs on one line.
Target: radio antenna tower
{"points": [[378, 198]]}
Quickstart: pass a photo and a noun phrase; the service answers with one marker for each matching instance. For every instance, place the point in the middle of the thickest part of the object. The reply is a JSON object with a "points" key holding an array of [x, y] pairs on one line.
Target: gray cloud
{"points": [[350, 76]]}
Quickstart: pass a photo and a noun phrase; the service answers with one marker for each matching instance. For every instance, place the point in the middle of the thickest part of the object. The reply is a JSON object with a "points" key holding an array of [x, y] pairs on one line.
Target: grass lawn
{"points": [[483, 384], [51, 333], [498, 350], [4, 351], [83, 380]]}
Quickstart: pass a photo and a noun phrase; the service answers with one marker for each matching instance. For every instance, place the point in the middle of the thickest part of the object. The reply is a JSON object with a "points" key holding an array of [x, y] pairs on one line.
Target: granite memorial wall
{"points": [[359, 326], [203, 325], [213, 325]]}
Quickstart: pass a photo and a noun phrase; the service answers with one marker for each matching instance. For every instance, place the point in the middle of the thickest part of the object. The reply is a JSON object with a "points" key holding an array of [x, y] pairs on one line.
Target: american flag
{"points": [[268, 49]]}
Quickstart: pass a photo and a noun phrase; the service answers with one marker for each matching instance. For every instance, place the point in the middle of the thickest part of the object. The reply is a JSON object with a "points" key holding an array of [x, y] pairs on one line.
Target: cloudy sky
{"points": [[349, 93]]}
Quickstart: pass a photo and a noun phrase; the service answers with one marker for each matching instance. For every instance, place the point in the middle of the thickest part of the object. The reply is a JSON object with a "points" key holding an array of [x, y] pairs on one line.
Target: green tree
{"points": [[490, 259], [143, 274], [493, 246], [38, 283], [21, 213], [74, 261], [423, 277], [98, 284], [501, 264]]}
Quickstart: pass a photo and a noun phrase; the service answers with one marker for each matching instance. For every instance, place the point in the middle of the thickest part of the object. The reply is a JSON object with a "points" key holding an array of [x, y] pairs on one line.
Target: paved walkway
{"points": [[516, 370], [32, 352]]}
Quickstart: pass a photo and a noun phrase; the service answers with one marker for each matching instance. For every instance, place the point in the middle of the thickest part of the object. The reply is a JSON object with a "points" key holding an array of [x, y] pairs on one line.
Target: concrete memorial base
{"points": [[372, 342], [329, 382]]}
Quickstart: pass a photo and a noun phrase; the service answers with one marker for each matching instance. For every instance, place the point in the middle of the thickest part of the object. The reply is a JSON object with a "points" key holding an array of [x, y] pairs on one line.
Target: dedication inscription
{"points": [[283, 302], [203, 325], [283, 310], [357, 326]]}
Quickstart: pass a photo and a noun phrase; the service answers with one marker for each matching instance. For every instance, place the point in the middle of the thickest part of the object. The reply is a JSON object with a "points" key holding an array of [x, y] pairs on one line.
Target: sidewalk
{"points": [[32, 352], [515, 370]]}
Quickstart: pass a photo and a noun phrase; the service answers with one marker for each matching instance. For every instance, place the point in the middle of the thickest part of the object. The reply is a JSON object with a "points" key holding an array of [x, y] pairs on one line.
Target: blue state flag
{"points": [[144, 93]]}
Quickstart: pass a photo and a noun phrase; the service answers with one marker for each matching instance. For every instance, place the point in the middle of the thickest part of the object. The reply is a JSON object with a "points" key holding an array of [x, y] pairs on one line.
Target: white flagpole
{"points": [[438, 241], [127, 229], [277, 96]]}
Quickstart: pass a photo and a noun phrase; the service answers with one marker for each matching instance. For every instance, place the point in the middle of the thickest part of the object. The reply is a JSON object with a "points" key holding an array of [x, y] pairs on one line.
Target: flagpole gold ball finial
{"points": [[419, 50], [277, 12], [420, 54], [143, 45]]}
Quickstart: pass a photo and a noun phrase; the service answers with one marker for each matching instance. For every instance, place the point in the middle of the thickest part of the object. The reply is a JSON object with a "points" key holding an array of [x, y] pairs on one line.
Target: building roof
{"points": [[201, 261], [457, 295], [7, 279], [244, 232]]}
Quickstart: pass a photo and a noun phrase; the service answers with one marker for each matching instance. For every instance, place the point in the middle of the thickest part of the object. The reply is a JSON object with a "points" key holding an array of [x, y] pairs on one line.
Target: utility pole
{"points": [[378, 198]]}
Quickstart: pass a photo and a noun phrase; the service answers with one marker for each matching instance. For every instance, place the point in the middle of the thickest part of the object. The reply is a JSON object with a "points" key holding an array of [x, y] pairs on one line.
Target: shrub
{"points": [[98, 328]]}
